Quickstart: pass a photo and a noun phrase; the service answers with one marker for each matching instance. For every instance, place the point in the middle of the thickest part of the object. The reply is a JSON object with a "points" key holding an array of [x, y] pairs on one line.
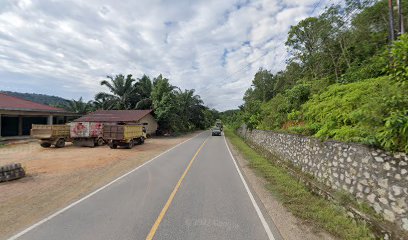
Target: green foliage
{"points": [[164, 102], [277, 110], [262, 88], [190, 110], [78, 106], [179, 111], [399, 53], [122, 94], [371, 68], [345, 43], [143, 88], [232, 118], [340, 58], [252, 113], [368, 33], [176, 111], [367, 111], [295, 196], [320, 85], [394, 134]]}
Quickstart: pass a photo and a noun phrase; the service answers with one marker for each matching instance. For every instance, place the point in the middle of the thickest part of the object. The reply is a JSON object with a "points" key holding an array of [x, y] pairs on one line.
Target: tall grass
{"points": [[302, 203]]}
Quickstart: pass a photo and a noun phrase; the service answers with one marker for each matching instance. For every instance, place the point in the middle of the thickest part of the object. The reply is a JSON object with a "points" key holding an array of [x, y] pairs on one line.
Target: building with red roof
{"points": [[144, 117], [17, 115]]}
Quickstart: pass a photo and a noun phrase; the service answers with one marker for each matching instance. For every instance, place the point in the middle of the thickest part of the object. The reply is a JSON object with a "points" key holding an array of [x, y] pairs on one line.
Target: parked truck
{"points": [[89, 134], [50, 135], [124, 135]]}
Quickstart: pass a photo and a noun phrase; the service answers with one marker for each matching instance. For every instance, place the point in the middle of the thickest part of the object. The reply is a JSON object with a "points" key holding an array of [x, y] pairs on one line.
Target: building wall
{"points": [[379, 178], [18, 123], [151, 122]]}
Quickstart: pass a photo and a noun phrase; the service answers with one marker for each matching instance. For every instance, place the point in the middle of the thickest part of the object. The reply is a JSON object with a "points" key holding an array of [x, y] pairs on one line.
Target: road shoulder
{"points": [[290, 227]]}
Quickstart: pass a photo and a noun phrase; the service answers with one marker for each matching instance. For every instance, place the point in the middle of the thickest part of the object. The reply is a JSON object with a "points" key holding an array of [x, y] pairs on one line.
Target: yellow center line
{"points": [[170, 200]]}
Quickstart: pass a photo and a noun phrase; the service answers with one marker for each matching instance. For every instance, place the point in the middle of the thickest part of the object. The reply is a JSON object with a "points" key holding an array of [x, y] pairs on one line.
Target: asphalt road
{"points": [[193, 191]]}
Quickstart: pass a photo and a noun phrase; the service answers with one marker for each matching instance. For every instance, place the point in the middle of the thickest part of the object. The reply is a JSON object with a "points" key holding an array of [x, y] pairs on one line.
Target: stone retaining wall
{"points": [[378, 177]]}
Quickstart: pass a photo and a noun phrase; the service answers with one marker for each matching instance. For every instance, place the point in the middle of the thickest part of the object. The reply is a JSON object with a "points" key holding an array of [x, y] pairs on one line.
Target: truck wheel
{"points": [[142, 139], [45, 144], [60, 143], [130, 144], [100, 142], [113, 146]]}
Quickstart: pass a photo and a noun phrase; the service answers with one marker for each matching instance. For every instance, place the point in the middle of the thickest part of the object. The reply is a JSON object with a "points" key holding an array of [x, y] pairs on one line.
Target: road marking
{"points": [[94, 192], [257, 209], [170, 200]]}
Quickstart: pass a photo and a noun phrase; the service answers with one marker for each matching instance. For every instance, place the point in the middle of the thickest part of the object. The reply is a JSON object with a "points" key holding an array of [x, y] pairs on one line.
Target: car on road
{"points": [[216, 131]]}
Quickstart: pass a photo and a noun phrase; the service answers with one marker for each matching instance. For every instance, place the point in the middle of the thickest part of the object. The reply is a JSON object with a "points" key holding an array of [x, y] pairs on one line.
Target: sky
{"points": [[65, 48]]}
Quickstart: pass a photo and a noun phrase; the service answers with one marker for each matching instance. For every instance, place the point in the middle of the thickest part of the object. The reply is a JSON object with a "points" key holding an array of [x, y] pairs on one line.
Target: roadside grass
{"points": [[295, 196]]}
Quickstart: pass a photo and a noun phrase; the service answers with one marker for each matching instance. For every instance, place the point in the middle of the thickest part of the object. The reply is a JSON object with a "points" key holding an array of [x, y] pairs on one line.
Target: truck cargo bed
{"points": [[49, 131], [124, 135], [122, 132], [86, 129]]}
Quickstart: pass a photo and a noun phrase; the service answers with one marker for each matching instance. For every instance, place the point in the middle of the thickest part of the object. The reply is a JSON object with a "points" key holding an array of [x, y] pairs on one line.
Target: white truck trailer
{"points": [[89, 134]]}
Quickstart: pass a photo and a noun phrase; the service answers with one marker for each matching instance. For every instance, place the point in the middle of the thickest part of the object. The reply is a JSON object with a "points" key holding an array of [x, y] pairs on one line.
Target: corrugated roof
{"points": [[13, 103], [114, 116]]}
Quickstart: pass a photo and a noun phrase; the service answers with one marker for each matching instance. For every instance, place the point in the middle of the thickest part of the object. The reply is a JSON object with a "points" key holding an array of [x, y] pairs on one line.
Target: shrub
{"points": [[371, 68], [394, 134], [373, 111], [276, 111], [399, 53]]}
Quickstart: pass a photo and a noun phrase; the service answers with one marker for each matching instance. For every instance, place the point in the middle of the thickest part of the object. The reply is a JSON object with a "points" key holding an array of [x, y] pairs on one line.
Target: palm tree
{"points": [[144, 87], [190, 108], [79, 106], [122, 92], [104, 102]]}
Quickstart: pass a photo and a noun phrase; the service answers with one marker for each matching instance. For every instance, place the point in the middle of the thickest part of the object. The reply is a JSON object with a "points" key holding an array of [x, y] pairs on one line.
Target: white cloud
{"points": [[66, 48]]}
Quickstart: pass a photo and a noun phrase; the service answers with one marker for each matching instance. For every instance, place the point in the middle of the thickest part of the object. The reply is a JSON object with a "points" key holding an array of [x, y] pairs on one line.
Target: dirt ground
{"points": [[290, 227], [58, 177]]}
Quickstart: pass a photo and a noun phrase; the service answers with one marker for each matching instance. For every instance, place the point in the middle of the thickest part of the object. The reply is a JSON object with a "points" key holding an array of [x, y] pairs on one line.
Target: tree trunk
{"points": [[343, 52]]}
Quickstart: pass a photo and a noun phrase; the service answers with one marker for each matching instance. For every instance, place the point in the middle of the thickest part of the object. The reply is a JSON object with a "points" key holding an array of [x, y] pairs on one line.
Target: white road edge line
{"points": [[94, 192], [257, 209]]}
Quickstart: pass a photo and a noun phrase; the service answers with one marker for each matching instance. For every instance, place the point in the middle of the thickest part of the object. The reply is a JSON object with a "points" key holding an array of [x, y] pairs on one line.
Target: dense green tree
{"points": [[175, 110], [164, 102], [190, 109], [399, 54], [305, 43], [79, 106], [122, 92], [104, 102], [335, 83], [144, 87]]}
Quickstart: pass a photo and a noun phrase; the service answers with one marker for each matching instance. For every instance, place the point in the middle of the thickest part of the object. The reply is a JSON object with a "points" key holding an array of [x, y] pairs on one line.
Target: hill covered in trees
{"points": [[39, 98], [339, 82]]}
